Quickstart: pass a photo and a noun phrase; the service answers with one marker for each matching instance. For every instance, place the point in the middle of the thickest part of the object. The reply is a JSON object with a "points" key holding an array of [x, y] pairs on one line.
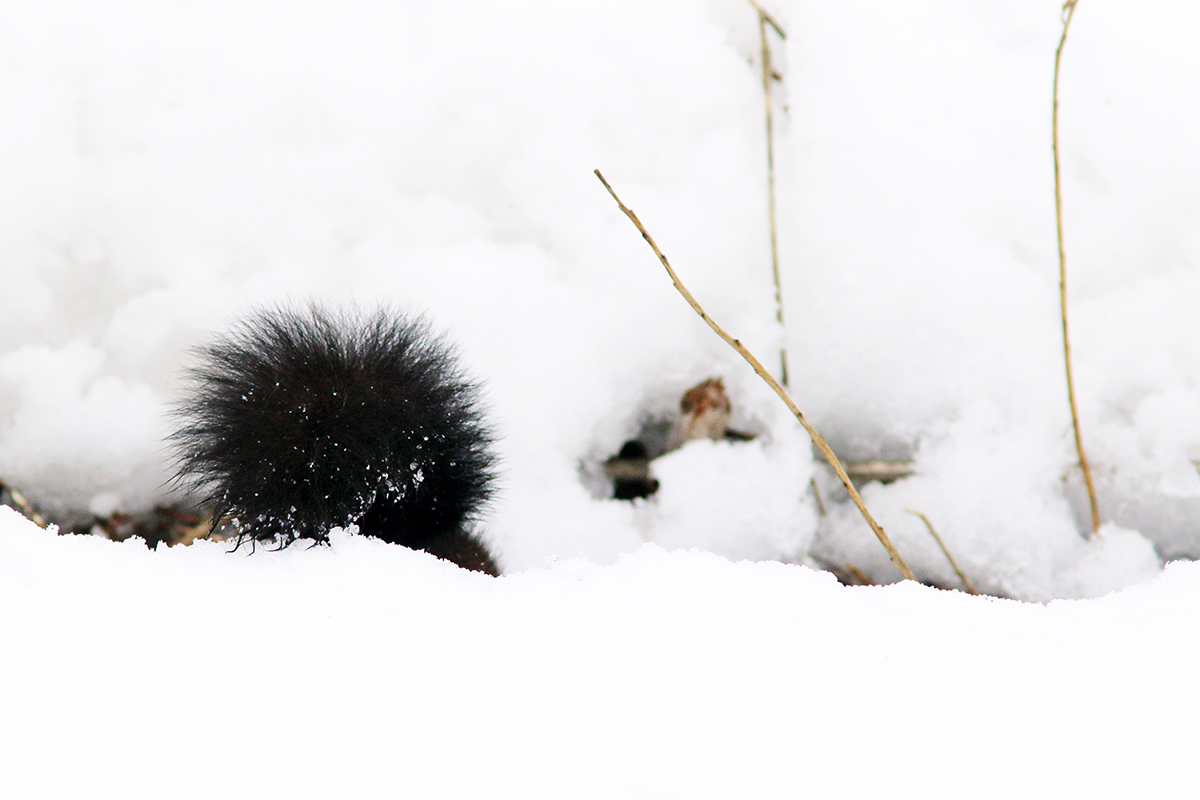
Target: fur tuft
{"points": [[305, 420]]}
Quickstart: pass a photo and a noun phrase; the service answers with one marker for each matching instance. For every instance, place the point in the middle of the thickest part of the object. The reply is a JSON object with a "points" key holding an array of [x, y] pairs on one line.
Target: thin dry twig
{"points": [[768, 73], [858, 575], [1068, 11], [816, 493], [817, 439], [877, 470], [767, 18], [23, 505], [961, 575]]}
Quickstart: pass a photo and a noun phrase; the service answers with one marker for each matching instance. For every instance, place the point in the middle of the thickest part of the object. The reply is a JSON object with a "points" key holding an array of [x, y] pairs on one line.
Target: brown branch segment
{"points": [[817, 439], [1068, 13], [961, 575], [22, 505], [768, 73]]}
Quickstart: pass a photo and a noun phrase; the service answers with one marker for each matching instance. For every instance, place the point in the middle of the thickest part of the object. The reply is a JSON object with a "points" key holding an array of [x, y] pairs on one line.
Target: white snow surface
{"points": [[367, 670], [166, 167]]}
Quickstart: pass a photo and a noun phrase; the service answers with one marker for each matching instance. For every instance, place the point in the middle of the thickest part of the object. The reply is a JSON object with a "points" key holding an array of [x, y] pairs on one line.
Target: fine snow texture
{"points": [[165, 168], [368, 670]]}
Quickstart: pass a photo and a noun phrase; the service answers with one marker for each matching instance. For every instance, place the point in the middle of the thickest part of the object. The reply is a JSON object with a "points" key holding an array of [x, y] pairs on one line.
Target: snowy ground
{"points": [[365, 670], [163, 168]]}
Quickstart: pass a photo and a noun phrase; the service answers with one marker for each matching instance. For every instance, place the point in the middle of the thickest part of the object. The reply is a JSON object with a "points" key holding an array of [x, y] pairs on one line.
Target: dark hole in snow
{"points": [[704, 413]]}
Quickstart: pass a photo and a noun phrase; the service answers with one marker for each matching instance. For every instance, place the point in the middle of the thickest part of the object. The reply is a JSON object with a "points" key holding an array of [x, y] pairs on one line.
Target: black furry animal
{"points": [[304, 420]]}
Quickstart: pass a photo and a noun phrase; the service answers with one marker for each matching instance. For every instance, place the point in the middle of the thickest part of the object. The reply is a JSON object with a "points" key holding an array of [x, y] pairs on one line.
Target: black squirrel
{"points": [[305, 419]]}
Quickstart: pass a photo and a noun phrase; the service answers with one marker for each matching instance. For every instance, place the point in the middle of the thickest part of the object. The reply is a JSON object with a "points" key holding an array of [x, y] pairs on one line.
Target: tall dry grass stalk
{"points": [[1068, 12], [769, 74], [817, 439]]}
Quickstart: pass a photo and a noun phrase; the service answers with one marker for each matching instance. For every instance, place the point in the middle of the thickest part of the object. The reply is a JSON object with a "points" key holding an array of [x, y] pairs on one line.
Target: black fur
{"points": [[304, 420]]}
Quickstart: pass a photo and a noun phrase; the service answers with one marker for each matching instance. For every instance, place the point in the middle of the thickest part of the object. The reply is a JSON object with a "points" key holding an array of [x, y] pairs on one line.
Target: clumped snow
{"points": [[166, 168]]}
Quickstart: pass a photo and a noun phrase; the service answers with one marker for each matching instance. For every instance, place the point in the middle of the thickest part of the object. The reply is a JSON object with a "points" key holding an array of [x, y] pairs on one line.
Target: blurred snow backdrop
{"points": [[166, 166]]}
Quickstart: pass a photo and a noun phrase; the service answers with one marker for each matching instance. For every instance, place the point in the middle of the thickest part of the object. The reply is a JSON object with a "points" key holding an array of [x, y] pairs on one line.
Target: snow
{"points": [[368, 670], [165, 168], [701, 502]]}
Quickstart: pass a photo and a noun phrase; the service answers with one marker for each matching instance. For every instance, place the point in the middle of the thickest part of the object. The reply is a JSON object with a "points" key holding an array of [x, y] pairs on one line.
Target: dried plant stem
{"points": [[23, 505], [767, 18], [816, 493], [1068, 12], [961, 575], [876, 470], [768, 74], [858, 575], [817, 439]]}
